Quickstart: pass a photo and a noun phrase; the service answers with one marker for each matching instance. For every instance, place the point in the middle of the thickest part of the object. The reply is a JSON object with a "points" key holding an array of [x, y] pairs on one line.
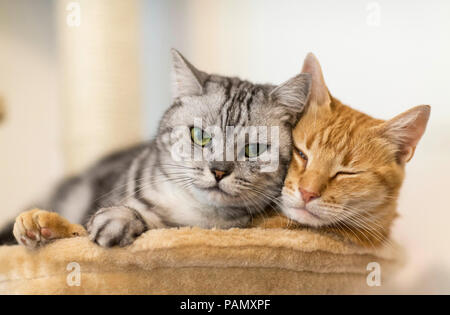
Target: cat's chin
{"points": [[304, 216], [215, 196]]}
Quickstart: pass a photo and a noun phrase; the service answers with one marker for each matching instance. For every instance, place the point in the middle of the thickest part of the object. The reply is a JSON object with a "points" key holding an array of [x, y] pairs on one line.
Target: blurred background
{"points": [[79, 79]]}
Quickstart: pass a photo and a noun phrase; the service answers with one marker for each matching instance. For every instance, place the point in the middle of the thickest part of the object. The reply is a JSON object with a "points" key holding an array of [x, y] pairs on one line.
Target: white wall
{"points": [[30, 138], [163, 26], [381, 69]]}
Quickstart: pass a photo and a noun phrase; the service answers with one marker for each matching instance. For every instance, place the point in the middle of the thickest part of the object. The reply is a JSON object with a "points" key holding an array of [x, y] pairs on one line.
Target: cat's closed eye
{"points": [[346, 173], [301, 154]]}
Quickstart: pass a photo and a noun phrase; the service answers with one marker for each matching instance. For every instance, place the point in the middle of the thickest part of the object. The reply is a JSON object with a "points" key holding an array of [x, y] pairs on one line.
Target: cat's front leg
{"points": [[116, 226], [36, 227]]}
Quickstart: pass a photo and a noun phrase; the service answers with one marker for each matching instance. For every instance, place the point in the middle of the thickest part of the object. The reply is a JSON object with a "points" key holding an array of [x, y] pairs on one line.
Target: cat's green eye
{"points": [[252, 150], [200, 137]]}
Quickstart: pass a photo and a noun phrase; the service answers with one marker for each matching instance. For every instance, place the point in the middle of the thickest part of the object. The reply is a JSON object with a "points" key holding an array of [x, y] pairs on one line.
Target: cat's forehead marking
{"points": [[347, 158], [340, 137], [310, 140], [237, 107]]}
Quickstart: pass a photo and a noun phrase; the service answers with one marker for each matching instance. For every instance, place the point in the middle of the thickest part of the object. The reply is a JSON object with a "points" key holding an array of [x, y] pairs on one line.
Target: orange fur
{"points": [[358, 204], [37, 227]]}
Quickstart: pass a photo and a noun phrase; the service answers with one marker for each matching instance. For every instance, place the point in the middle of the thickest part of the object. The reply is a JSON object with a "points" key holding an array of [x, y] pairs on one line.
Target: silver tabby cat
{"points": [[145, 187]]}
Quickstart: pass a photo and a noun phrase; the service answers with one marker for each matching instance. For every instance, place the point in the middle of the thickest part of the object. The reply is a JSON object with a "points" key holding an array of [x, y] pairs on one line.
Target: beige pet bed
{"points": [[196, 261]]}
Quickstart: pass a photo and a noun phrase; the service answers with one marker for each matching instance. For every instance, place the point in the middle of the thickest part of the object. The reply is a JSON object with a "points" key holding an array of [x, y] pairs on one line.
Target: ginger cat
{"points": [[347, 167]]}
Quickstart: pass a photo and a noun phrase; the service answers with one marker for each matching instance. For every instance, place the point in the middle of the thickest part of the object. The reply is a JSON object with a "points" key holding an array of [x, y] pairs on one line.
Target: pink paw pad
{"points": [[45, 232], [31, 235]]}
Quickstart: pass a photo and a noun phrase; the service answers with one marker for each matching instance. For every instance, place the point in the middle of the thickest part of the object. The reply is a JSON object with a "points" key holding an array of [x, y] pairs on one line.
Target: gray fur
{"points": [[144, 187]]}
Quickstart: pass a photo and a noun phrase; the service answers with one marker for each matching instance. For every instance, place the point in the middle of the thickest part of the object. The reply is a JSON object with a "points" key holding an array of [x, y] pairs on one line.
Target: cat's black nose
{"points": [[219, 174]]}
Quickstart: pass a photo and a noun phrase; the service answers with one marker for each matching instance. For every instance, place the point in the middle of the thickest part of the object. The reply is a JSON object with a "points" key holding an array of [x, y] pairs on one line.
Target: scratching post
{"points": [[99, 79]]}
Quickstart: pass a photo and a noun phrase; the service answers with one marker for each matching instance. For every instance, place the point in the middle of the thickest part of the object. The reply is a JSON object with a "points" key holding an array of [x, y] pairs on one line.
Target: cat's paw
{"points": [[115, 226], [37, 227]]}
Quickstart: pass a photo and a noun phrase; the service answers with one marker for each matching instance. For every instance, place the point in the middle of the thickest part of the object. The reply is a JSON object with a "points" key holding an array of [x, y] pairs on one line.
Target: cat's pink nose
{"points": [[307, 196]]}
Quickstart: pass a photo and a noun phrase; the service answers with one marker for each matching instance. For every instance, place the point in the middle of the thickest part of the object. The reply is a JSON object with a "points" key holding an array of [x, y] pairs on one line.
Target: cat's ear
{"points": [[293, 93], [187, 80], [406, 129], [319, 91]]}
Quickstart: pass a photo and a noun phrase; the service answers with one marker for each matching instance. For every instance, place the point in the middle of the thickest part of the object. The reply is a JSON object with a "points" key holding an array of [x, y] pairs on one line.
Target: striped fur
{"points": [[145, 187]]}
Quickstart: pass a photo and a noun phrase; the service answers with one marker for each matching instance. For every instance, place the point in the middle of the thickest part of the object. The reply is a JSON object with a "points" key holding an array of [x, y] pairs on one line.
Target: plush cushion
{"points": [[197, 261]]}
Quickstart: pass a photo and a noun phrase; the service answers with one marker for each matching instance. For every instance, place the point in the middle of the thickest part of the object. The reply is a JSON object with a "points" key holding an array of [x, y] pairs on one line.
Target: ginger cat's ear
{"points": [[319, 94], [187, 80], [406, 129]]}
